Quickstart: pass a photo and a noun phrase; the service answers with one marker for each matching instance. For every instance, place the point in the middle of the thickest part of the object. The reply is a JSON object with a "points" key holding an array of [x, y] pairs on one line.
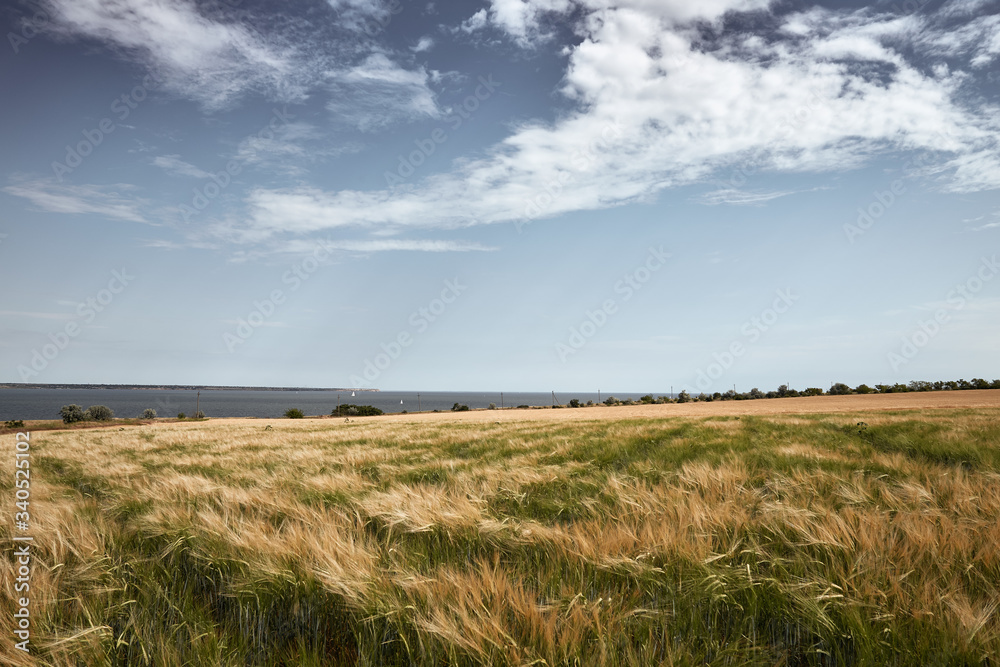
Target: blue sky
{"points": [[513, 194]]}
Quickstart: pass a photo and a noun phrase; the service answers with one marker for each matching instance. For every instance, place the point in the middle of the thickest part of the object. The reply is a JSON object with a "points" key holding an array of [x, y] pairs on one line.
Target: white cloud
{"points": [[425, 44], [475, 22], [194, 55], [740, 197], [175, 165], [379, 92], [109, 201]]}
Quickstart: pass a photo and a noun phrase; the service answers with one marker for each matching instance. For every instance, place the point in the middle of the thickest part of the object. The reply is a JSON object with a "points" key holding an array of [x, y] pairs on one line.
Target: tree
{"points": [[863, 389], [493, 406], [72, 413], [100, 413], [611, 400], [199, 415], [574, 403], [149, 413], [813, 391], [294, 413], [839, 389], [683, 397], [782, 391], [459, 408], [181, 415], [648, 398], [756, 393]]}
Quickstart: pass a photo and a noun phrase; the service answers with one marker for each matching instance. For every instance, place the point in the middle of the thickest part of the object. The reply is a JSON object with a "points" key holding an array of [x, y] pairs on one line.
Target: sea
{"points": [[44, 403]]}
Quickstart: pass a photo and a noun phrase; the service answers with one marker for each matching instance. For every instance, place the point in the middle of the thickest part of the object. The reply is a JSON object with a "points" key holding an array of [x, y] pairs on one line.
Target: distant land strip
{"points": [[161, 387]]}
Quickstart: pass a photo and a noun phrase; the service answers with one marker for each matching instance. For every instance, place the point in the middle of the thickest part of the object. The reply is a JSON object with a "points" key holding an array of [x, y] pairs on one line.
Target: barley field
{"points": [[850, 537]]}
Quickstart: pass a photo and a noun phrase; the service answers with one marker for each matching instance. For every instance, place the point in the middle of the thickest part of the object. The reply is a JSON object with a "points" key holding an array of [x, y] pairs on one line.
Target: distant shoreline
{"points": [[162, 387]]}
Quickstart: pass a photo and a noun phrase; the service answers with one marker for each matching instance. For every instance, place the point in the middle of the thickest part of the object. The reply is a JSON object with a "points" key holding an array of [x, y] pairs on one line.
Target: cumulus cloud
{"points": [[660, 105]]}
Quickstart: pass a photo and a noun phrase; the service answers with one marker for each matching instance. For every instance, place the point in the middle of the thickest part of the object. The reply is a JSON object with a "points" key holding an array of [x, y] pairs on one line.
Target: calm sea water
{"points": [[45, 403]]}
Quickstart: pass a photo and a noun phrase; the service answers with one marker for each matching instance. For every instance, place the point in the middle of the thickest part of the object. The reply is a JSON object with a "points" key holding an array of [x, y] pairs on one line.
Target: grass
{"points": [[828, 539]]}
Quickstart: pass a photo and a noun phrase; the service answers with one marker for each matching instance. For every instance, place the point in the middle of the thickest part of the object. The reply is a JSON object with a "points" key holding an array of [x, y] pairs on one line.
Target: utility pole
{"points": [[197, 408], [598, 395], [418, 403], [501, 400]]}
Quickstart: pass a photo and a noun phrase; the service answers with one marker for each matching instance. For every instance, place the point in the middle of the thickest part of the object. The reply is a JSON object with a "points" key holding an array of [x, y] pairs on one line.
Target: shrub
{"points": [[294, 413], [100, 413], [575, 403], [813, 391], [199, 415], [459, 408], [648, 398], [72, 413], [181, 415], [839, 389], [611, 400], [523, 407], [14, 423], [863, 389], [683, 397], [149, 413], [493, 406], [345, 409]]}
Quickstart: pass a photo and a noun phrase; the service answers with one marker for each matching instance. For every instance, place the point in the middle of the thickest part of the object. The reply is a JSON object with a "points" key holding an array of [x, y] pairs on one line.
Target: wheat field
{"points": [[865, 537]]}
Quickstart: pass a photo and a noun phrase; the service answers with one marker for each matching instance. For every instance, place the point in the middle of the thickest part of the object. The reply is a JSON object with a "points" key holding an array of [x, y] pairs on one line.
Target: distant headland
{"points": [[162, 387]]}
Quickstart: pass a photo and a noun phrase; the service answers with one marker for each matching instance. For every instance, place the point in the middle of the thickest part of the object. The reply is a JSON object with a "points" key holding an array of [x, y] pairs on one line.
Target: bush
{"points": [[493, 406], [72, 413], [149, 413], [611, 400], [648, 398], [199, 415], [863, 389], [813, 391], [839, 389], [100, 413], [575, 403], [294, 413], [459, 408], [181, 415], [683, 397], [345, 409], [523, 407], [14, 423]]}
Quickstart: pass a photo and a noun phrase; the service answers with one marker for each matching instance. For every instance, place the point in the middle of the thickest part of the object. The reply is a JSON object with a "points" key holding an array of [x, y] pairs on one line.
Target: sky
{"points": [[521, 195]]}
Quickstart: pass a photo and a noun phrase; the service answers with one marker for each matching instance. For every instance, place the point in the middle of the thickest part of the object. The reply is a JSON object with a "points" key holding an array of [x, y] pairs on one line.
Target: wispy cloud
{"points": [[378, 92], [740, 197], [112, 201], [175, 165], [36, 315], [197, 55]]}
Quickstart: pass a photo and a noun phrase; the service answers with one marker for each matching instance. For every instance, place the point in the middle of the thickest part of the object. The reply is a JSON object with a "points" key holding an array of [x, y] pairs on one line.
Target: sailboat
{"points": [[400, 401], [352, 393]]}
